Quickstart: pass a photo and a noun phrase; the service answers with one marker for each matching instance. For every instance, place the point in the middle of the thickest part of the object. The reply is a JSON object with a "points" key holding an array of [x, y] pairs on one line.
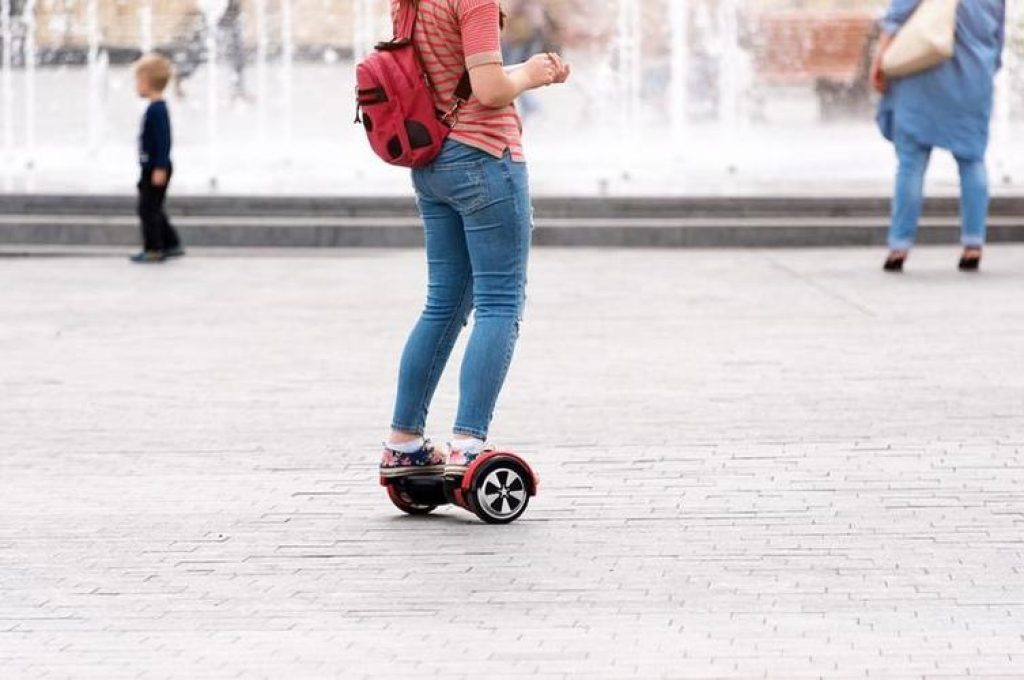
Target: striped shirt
{"points": [[455, 35]]}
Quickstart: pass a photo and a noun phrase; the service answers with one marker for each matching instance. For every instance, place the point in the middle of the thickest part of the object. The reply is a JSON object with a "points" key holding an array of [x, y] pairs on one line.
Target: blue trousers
{"points": [[477, 221], [909, 195]]}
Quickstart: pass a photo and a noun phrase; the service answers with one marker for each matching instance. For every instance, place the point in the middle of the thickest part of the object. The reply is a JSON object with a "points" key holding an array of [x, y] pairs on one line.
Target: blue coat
{"points": [[155, 139], [949, 106]]}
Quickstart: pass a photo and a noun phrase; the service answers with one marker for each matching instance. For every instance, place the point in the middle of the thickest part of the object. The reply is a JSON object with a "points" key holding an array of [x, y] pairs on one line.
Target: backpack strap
{"points": [[406, 24], [404, 32], [464, 90]]}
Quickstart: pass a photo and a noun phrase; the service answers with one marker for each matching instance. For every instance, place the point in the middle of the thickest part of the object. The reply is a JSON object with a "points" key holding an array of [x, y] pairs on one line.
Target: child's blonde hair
{"points": [[157, 70]]}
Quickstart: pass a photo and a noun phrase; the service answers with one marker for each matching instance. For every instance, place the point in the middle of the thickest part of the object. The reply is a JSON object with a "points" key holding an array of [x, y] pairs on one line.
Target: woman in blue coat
{"points": [[950, 107]]}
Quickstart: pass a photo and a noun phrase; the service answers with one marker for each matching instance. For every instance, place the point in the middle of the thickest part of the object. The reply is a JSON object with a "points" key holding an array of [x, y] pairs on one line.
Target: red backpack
{"points": [[396, 99]]}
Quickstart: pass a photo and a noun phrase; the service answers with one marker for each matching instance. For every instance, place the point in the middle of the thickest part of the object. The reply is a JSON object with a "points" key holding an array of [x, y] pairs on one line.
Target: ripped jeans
{"points": [[477, 221]]}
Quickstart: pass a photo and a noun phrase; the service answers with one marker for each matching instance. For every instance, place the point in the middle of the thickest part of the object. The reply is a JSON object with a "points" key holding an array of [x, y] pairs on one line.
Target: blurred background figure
{"points": [[19, 31], [949, 107], [232, 37], [187, 50], [160, 240]]}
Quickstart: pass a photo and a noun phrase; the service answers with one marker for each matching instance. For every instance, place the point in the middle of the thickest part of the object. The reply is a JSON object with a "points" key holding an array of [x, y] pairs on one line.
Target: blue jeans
{"points": [[909, 197], [477, 221]]}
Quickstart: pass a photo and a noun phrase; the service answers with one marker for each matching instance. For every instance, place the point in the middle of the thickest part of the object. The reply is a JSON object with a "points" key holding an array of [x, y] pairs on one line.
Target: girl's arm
{"points": [[497, 86], [493, 86]]}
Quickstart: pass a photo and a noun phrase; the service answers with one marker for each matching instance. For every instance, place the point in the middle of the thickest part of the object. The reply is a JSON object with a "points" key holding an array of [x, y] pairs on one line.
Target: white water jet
{"points": [[262, 98], [367, 19], [628, 43], [1002, 116], [96, 71], [679, 20], [362, 35], [729, 87], [728, 65], [146, 26], [287, 70], [6, 84], [212, 11], [29, 22]]}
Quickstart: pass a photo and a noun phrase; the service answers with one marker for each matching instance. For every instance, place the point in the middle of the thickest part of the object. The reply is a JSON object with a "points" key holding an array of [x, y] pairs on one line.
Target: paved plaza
{"points": [[778, 464]]}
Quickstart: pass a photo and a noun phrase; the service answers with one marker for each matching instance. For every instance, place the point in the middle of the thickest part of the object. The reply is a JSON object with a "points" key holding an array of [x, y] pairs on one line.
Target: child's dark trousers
{"points": [[157, 232]]}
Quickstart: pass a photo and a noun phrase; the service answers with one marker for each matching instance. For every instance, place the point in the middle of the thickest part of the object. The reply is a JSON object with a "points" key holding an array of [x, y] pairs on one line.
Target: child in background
{"points": [[160, 240]]}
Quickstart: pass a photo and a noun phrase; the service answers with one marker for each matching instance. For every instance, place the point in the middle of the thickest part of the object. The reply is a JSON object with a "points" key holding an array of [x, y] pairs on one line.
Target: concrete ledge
{"points": [[569, 222], [407, 232], [546, 206]]}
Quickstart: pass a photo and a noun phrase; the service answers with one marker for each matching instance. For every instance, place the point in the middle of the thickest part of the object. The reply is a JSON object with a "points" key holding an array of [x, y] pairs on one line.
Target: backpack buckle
{"points": [[451, 119]]}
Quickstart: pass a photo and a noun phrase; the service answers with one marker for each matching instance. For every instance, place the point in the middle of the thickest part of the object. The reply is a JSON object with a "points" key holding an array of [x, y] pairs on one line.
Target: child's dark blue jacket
{"points": [[155, 139]]}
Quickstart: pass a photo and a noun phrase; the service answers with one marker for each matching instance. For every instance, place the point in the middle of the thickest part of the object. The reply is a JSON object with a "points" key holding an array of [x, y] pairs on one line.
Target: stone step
{"points": [[312, 231], [830, 206]]}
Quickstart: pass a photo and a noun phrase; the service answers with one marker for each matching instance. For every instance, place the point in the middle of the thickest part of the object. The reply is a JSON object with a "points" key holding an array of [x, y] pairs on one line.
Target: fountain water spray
{"points": [[362, 24], [6, 86], [628, 57], [626, 77], [287, 72], [96, 68], [1003, 110], [146, 26], [29, 22], [679, 20], [729, 88], [262, 98], [212, 10], [728, 71]]}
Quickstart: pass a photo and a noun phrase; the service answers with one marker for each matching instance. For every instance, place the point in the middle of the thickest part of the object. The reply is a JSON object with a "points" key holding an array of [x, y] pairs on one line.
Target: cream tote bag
{"points": [[925, 41]]}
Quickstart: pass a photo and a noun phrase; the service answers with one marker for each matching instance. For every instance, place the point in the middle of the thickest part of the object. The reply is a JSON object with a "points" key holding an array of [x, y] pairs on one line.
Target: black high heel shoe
{"points": [[970, 261], [894, 263]]}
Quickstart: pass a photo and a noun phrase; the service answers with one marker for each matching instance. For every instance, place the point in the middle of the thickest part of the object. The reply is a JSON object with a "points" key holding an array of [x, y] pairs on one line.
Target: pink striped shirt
{"points": [[455, 35]]}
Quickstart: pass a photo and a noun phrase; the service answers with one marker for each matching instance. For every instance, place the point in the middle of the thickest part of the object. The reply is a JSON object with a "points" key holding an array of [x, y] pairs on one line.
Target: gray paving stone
{"points": [[754, 464]]}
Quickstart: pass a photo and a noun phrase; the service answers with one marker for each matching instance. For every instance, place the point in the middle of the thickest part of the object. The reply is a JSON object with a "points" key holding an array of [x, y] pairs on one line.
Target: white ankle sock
{"points": [[406, 447], [470, 445]]}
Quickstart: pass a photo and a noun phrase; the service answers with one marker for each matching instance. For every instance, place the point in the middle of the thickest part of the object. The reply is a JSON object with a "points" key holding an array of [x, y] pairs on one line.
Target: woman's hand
{"points": [[878, 80]]}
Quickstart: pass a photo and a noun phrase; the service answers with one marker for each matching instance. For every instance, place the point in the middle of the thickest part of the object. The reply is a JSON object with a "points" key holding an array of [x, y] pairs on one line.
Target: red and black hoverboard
{"points": [[496, 487]]}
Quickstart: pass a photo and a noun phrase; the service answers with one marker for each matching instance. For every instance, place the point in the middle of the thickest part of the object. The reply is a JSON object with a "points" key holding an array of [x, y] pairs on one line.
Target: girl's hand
{"points": [[541, 71], [496, 86], [562, 70]]}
